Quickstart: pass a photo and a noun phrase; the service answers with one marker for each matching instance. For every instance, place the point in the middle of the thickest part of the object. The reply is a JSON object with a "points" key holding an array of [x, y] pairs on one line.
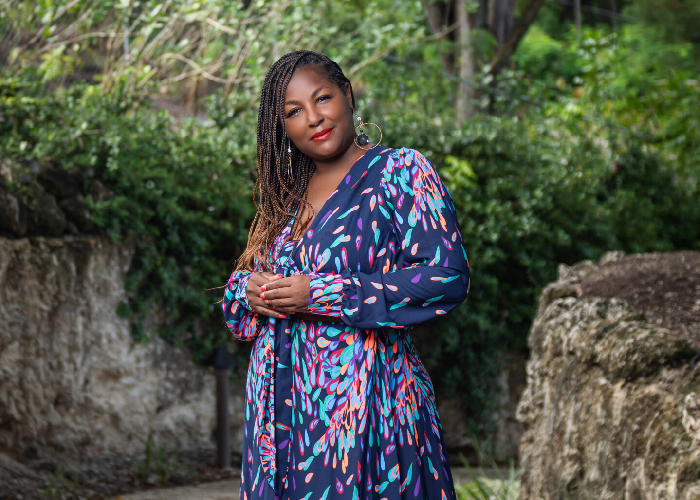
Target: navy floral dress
{"points": [[345, 409]]}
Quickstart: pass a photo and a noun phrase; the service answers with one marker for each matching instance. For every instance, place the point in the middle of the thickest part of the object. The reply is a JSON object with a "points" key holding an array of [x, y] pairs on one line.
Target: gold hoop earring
{"points": [[361, 139]]}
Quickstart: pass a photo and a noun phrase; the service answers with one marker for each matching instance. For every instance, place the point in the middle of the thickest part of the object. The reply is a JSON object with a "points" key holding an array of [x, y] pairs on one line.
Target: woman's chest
{"points": [[358, 235]]}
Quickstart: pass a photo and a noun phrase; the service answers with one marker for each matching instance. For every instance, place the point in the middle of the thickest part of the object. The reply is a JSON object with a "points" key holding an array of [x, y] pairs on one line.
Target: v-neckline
{"points": [[343, 181]]}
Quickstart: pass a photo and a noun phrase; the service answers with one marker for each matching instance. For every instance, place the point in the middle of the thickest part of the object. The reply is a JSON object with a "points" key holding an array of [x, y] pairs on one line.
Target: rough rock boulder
{"points": [[73, 382], [612, 404]]}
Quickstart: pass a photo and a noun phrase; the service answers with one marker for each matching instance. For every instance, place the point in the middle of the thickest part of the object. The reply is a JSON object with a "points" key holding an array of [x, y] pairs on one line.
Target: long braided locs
{"points": [[278, 194]]}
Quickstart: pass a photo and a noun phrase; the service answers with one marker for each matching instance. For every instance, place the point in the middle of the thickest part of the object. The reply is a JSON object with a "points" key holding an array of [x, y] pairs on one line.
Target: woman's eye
{"points": [[292, 112], [323, 98]]}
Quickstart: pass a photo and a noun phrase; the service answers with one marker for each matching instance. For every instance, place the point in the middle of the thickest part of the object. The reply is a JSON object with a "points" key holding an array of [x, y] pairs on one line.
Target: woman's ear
{"points": [[348, 94]]}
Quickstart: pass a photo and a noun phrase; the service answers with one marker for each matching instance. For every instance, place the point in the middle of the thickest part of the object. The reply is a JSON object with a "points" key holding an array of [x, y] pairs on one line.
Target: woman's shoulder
{"points": [[408, 162], [406, 153], [408, 169], [390, 158], [401, 169]]}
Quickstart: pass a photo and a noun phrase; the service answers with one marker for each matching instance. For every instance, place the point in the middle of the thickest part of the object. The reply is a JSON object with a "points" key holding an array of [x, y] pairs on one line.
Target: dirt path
{"points": [[221, 490], [228, 490]]}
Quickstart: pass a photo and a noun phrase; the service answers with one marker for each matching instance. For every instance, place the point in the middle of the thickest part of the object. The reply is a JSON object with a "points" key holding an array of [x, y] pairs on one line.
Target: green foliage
{"points": [[489, 449], [678, 20], [545, 59], [61, 482], [178, 193], [532, 193], [651, 87], [481, 487], [156, 461], [594, 146], [141, 45]]}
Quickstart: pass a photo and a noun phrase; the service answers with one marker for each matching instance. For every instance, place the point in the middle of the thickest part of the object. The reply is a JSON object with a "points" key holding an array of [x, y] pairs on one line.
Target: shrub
{"points": [[530, 194], [179, 192]]}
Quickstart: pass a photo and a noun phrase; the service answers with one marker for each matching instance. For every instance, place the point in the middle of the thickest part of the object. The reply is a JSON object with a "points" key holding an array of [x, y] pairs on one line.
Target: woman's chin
{"points": [[327, 150]]}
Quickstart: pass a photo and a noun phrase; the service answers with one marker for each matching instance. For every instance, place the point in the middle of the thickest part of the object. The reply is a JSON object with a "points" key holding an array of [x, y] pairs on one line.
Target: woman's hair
{"points": [[278, 192]]}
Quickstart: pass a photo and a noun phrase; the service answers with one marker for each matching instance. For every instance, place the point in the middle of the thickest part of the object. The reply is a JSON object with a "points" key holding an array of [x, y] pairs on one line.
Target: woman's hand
{"points": [[287, 295], [256, 285]]}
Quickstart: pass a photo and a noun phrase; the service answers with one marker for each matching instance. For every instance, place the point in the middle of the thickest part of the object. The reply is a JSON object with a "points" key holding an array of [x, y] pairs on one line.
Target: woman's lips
{"points": [[322, 135]]}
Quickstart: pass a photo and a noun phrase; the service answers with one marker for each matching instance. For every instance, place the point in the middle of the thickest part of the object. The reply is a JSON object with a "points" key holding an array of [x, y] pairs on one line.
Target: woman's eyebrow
{"points": [[316, 92]]}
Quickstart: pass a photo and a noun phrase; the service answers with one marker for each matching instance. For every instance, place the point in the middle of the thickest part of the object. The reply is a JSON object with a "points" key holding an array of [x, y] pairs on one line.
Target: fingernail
{"points": [[262, 288], [262, 295], [267, 301], [283, 315]]}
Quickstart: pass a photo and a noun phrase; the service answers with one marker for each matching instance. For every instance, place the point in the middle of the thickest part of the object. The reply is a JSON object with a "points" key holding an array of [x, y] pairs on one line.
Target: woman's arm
{"points": [[291, 295], [244, 311], [433, 276]]}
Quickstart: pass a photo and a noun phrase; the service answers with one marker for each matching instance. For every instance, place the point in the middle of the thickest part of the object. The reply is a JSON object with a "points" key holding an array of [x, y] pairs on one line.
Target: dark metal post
{"points": [[222, 362], [223, 419]]}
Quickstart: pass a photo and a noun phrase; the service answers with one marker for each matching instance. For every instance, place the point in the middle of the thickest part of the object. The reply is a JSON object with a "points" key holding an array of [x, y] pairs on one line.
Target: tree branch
{"points": [[382, 53], [508, 48], [198, 69]]}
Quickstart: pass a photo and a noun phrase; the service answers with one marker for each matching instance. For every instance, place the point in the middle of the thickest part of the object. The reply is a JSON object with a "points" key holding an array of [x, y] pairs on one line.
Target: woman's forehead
{"points": [[307, 81]]}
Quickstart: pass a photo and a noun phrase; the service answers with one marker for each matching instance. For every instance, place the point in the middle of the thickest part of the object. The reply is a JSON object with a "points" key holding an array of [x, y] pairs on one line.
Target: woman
{"points": [[351, 245]]}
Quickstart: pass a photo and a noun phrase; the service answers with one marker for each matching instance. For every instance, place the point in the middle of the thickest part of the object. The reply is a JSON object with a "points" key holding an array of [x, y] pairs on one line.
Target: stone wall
{"points": [[72, 381], [612, 404]]}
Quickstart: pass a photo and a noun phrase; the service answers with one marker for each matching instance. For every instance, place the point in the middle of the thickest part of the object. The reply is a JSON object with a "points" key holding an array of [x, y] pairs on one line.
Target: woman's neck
{"points": [[342, 162]]}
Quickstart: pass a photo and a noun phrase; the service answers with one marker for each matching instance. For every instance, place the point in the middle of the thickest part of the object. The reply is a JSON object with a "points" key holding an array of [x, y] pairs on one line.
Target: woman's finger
{"points": [[270, 295], [279, 304], [269, 312], [262, 278], [272, 278], [284, 299], [279, 283], [261, 306], [258, 280], [279, 293], [285, 290], [255, 301]]}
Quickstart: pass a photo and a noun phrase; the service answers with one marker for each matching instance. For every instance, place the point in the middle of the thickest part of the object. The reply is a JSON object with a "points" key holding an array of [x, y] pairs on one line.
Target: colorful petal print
{"points": [[344, 409]]}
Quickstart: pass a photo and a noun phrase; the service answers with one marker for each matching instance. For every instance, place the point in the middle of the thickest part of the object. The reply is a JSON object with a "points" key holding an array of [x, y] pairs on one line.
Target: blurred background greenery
{"points": [[563, 129]]}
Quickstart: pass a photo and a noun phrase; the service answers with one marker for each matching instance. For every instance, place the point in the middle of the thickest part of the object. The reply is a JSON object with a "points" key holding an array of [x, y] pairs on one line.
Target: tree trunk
{"points": [[516, 35], [496, 16], [439, 16], [577, 18], [467, 66], [613, 7], [501, 19]]}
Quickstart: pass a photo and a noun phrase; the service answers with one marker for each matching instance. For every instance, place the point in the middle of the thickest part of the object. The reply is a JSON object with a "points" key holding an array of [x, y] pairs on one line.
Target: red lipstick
{"points": [[322, 135]]}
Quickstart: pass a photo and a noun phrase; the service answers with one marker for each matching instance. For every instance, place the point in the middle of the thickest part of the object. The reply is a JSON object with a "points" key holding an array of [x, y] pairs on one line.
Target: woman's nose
{"points": [[313, 117]]}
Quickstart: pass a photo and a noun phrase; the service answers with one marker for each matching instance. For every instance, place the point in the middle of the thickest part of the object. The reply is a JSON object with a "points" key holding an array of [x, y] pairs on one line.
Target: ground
{"points": [[186, 475], [109, 476], [228, 490], [221, 490]]}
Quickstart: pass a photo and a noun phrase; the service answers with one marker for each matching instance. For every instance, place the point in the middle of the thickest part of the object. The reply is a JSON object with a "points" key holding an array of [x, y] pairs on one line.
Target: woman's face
{"points": [[318, 115]]}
